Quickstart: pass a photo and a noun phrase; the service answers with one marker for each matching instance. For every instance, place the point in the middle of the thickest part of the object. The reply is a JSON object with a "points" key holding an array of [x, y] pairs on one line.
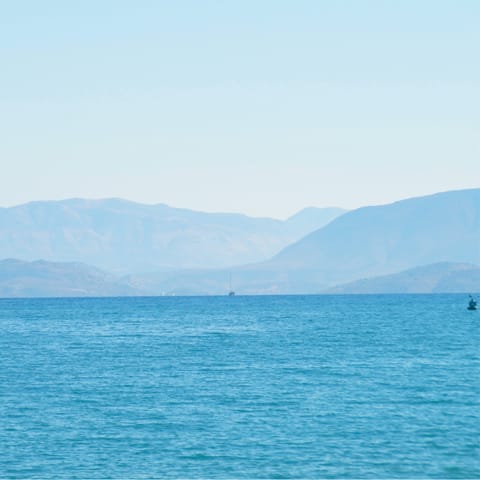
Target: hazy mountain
{"points": [[52, 279], [437, 278], [363, 243], [312, 218], [119, 235], [385, 239]]}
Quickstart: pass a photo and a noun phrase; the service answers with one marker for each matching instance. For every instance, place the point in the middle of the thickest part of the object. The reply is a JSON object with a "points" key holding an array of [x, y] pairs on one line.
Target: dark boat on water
{"points": [[472, 304]]}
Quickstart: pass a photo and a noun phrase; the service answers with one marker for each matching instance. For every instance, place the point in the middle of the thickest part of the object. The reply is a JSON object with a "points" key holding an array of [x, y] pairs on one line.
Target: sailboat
{"points": [[231, 293]]}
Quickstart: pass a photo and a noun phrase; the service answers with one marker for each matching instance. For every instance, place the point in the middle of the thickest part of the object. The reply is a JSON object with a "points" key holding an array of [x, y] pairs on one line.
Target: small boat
{"points": [[472, 304]]}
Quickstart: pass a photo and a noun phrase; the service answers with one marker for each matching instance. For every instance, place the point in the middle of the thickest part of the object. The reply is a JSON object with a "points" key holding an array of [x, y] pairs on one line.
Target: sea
{"points": [[247, 387]]}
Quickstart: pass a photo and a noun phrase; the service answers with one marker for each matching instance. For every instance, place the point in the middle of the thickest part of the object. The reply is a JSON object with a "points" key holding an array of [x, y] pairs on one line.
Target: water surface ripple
{"points": [[242, 387]]}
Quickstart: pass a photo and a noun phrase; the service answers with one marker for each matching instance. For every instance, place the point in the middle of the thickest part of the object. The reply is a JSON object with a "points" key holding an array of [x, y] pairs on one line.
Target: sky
{"points": [[260, 107]]}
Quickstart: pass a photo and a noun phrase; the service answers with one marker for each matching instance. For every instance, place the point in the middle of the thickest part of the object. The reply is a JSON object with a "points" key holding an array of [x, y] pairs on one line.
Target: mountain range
{"points": [[69, 279], [443, 277], [367, 242], [58, 279], [383, 245], [124, 236], [381, 240]]}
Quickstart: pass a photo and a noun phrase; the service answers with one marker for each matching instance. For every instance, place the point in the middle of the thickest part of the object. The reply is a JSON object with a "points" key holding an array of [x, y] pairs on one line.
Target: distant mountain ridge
{"points": [[120, 235], [55, 279], [378, 241], [312, 218], [363, 243], [385, 239], [442, 277]]}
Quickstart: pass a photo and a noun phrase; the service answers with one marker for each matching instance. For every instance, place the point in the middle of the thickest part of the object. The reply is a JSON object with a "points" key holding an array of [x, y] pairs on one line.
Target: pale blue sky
{"points": [[261, 107]]}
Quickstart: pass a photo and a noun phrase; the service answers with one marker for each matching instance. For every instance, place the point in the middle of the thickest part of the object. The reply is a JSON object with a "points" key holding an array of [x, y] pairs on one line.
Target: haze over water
{"points": [[243, 387]]}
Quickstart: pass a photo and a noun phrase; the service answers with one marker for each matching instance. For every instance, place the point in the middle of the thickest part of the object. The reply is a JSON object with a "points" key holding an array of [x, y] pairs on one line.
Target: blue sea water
{"points": [[243, 387]]}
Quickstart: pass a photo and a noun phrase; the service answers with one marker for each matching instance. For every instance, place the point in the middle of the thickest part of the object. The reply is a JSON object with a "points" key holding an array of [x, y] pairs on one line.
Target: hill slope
{"points": [[311, 218], [385, 239], [51, 279], [437, 278], [363, 243], [119, 235]]}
